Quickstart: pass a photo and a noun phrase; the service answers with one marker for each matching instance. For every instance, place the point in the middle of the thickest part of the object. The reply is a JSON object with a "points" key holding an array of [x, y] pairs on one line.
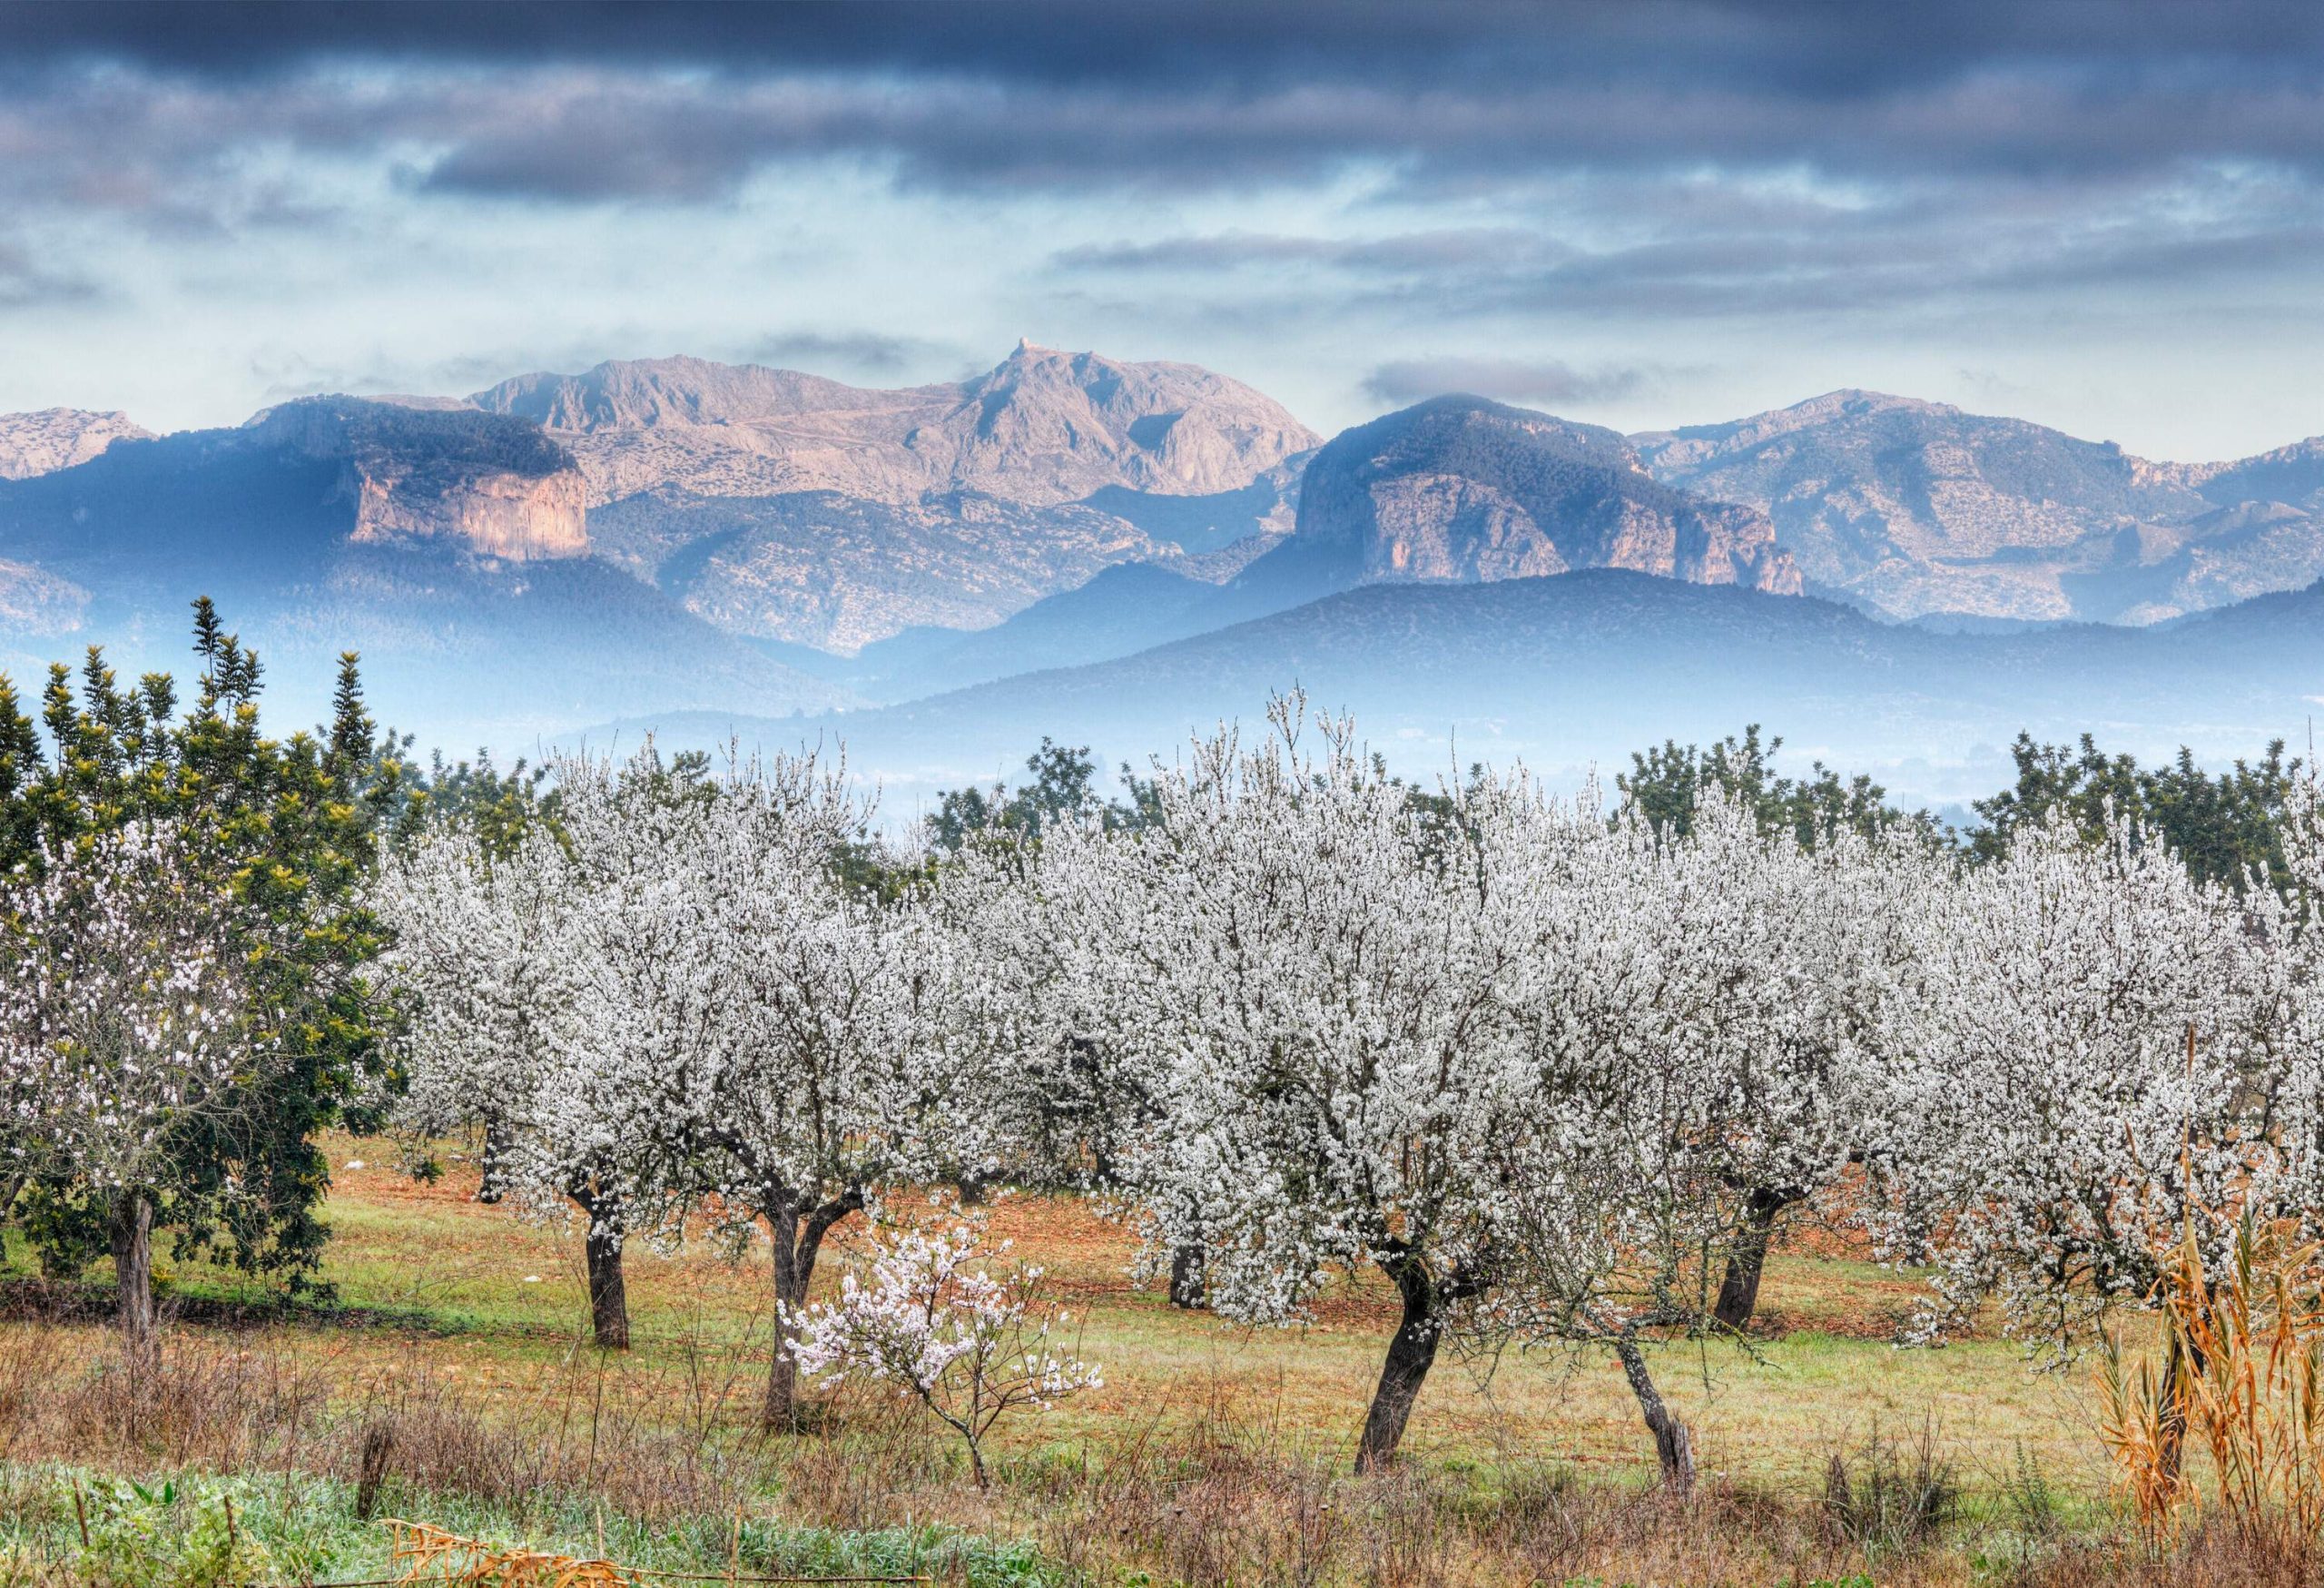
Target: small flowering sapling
{"points": [[948, 1318]]}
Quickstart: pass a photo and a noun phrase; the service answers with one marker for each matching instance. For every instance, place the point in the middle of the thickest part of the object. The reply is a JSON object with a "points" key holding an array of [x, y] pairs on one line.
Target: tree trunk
{"points": [[798, 1241], [1186, 1277], [790, 1293], [492, 1183], [1409, 1355], [601, 1250], [608, 1296], [1738, 1289], [1674, 1447], [133, 1269]]}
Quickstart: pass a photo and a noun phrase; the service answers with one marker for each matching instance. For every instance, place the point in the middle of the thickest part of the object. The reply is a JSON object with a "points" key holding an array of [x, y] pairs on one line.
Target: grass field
{"points": [[470, 1334]]}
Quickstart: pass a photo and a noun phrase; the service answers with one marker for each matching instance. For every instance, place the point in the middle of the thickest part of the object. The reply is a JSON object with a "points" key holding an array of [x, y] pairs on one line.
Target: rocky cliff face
{"points": [[1916, 507], [1464, 490], [498, 515], [1042, 428], [793, 508], [58, 438], [478, 482]]}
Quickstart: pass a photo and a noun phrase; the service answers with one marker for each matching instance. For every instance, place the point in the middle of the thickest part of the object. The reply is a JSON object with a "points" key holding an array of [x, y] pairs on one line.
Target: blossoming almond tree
{"points": [[1773, 956], [1680, 1005], [496, 949], [2070, 1076], [774, 1028], [1046, 927], [2285, 932], [128, 1032], [949, 1318], [1615, 1192], [1306, 968]]}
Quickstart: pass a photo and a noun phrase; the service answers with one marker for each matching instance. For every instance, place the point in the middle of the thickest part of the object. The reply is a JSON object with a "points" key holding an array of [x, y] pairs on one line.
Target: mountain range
{"points": [[447, 545], [1912, 507], [681, 541]]}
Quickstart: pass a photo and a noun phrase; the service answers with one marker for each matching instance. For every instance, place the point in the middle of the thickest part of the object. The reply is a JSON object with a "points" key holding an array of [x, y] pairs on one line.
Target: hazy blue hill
{"points": [[1122, 609], [1583, 667], [517, 652], [2293, 474], [203, 503], [2273, 641], [1199, 524]]}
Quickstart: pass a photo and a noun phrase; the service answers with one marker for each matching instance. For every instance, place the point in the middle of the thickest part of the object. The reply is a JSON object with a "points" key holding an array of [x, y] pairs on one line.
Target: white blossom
{"points": [[124, 1012], [2062, 1080]]}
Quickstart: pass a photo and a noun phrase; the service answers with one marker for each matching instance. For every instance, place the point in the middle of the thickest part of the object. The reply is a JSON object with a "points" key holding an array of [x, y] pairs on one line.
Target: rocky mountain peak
{"points": [[672, 392], [1042, 427], [1690, 445], [51, 438], [1068, 424], [1920, 507], [1461, 489]]}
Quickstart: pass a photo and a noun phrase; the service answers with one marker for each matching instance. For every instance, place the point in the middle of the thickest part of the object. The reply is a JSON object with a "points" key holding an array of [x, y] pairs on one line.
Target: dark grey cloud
{"points": [[1680, 245], [1461, 248], [1662, 158], [1531, 383], [683, 101], [1805, 48]]}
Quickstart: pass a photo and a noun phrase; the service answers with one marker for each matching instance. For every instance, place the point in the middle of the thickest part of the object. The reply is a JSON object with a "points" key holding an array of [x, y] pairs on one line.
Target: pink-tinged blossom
{"points": [[945, 1316]]}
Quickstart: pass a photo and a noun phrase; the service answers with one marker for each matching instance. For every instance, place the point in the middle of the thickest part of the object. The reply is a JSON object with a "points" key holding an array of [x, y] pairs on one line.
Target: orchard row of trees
{"points": [[1556, 1069]]}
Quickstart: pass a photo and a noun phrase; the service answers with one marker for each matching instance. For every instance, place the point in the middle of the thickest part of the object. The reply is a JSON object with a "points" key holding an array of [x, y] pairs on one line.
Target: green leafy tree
{"points": [[1064, 788], [283, 834], [2226, 827], [499, 807], [1664, 783]]}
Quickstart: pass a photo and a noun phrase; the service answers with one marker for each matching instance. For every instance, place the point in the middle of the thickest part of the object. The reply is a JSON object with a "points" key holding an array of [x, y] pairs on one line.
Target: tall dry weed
{"points": [[2238, 1375]]}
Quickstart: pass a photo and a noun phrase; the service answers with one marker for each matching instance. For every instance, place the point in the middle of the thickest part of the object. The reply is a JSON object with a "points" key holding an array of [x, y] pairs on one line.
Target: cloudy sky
{"points": [[2106, 217]]}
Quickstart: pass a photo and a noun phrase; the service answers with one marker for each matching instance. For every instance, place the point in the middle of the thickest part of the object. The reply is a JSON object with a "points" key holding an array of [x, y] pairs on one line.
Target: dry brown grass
{"points": [[1211, 1498], [1214, 1455]]}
